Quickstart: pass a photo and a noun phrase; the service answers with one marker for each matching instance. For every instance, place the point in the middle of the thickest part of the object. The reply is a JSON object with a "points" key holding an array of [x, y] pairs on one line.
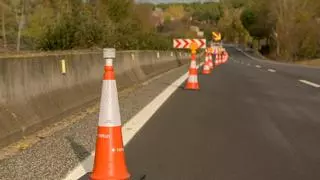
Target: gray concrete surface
{"points": [[53, 156], [35, 94], [245, 123]]}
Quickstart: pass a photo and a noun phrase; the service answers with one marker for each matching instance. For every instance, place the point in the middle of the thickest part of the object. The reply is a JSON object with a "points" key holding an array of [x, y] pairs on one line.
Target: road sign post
{"points": [[192, 44]]}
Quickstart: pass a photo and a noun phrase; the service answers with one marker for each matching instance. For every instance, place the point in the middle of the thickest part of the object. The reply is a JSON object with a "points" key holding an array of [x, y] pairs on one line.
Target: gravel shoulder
{"points": [[54, 151]]}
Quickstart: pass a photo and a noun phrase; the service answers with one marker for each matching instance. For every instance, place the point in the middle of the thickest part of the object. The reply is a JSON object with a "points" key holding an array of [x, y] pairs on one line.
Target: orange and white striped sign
{"points": [[186, 43]]}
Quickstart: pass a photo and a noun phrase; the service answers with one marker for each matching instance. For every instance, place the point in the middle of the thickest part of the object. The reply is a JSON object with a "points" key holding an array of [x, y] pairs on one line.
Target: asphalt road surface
{"points": [[251, 120]]}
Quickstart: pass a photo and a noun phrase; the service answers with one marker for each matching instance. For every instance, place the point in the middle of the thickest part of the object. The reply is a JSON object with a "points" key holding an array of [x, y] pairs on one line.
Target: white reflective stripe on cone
{"points": [[193, 79], [206, 67], [193, 64], [109, 62], [109, 115], [206, 58]]}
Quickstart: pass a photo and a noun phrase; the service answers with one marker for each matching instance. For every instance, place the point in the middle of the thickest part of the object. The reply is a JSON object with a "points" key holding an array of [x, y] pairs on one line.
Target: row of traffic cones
{"points": [[220, 58], [109, 162], [208, 63]]}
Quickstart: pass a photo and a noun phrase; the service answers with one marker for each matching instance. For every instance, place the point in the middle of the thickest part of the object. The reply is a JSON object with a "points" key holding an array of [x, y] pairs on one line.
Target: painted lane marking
{"points": [[310, 83], [271, 70]]}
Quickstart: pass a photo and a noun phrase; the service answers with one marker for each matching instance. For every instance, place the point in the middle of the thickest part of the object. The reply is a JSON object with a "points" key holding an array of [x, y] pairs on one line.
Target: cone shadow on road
{"points": [[138, 177], [80, 151]]}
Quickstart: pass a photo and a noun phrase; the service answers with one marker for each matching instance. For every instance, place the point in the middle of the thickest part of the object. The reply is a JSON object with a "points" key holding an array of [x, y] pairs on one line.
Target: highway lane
{"points": [[245, 123], [291, 70]]}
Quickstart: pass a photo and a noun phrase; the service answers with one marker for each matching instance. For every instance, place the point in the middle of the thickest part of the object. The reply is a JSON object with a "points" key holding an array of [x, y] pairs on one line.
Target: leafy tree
{"points": [[117, 10], [176, 12], [205, 11]]}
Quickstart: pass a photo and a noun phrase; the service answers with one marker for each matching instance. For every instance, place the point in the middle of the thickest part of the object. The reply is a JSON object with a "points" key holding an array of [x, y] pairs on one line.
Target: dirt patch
{"points": [[314, 62]]}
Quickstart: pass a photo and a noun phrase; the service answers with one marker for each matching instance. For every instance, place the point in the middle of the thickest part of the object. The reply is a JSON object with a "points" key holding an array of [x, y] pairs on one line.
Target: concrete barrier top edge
{"points": [[43, 54]]}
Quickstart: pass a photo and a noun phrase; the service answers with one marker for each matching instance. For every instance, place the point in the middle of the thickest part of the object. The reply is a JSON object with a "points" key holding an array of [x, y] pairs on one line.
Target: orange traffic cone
{"points": [[223, 57], [210, 60], [109, 163], [206, 66], [217, 59], [214, 62], [220, 58], [227, 56], [192, 82]]}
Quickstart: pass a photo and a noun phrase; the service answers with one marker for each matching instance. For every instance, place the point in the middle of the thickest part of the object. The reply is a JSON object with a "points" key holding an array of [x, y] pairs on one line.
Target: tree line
{"points": [[78, 24], [289, 28], [284, 29]]}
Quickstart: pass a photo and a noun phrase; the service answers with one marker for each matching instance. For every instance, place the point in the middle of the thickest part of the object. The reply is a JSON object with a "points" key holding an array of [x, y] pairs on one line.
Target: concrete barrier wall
{"points": [[34, 92]]}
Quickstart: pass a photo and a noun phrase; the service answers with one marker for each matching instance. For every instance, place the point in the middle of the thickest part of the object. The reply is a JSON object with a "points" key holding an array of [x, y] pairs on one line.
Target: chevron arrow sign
{"points": [[185, 43], [216, 36]]}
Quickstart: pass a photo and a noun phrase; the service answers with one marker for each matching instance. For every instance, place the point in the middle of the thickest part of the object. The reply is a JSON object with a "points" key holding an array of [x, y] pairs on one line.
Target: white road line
{"points": [[271, 70], [248, 64], [132, 127], [258, 66], [310, 83]]}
